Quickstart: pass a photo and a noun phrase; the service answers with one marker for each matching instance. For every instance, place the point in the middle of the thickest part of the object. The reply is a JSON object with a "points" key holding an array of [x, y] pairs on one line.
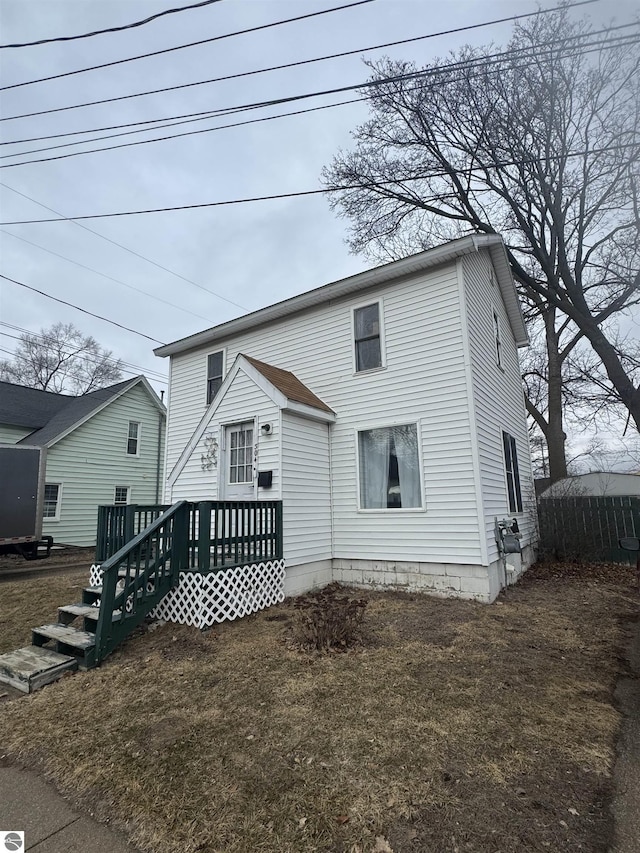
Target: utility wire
{"points": [[359, 186], [122, 369], [126, 249], [480, 63], [308, 61], [113, 29], [196, 43], [47, 339], [109, 278], [78, 308]]}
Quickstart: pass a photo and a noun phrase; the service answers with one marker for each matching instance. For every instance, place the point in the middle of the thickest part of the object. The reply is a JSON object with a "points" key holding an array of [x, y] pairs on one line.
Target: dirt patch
{"points": [[452, 726], [66, 556]]}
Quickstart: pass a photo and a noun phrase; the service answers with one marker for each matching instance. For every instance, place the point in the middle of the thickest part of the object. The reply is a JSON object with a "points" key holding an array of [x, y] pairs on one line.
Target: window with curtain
{"points": [[389, 468], [514, 492], [366, 322]]}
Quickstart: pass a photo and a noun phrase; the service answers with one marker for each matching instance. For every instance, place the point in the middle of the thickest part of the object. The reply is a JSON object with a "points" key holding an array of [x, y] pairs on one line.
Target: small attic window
{"points": [[215, 363]]}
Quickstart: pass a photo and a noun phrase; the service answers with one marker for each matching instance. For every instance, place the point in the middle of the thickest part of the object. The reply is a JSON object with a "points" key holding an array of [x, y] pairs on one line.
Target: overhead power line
{"points": [[484, 64], [195, 44], [303, 62], [303, 193], [113, 29], [108, 277], [78, 308], [46, 339], [127, 249]]}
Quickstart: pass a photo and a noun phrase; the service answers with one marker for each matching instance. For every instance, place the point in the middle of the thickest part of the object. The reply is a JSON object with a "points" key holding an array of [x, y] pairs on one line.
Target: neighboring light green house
{"points": [[105, 447]]}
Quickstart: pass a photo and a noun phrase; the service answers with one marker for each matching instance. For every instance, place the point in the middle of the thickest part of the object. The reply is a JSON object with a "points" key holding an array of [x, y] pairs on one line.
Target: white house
{"points": [[105, 447], [609, 484], [385, 410]]}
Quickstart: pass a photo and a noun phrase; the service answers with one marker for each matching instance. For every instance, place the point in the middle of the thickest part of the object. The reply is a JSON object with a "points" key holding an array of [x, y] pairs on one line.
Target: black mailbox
{"points": [[265, 479]]}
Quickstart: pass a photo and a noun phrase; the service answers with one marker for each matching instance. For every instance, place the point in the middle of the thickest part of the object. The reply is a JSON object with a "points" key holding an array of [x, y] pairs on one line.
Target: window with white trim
{"points": [[389, 468], [51, 504], [512, 472], [121, 495], [367, 337], [133, 439], [215, 366]]}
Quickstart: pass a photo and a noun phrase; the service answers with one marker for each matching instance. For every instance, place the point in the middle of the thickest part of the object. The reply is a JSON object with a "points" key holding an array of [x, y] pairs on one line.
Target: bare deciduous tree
{"points": [[61, 359], [539, 143]]}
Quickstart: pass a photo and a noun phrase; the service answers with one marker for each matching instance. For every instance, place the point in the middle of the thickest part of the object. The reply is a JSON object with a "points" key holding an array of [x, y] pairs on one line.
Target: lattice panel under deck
{"points": [[203, 600], [95, 575]]}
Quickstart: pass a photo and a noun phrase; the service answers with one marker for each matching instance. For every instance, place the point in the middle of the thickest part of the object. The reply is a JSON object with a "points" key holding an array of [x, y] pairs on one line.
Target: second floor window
{"points": [[214, 374], [133, 440], [366, 323]]}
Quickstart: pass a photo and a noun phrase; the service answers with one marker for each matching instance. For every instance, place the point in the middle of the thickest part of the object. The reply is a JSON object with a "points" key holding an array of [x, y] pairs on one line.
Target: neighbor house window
{"points": [[133, 440], [368, 342], [513, 474], [498, 339], [214, 374], [389, 468], [121, 495], [51, 507]]}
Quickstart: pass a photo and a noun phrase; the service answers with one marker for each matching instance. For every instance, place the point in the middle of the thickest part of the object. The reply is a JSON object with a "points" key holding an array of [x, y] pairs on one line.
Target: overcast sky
{"points": [[236, 258]]}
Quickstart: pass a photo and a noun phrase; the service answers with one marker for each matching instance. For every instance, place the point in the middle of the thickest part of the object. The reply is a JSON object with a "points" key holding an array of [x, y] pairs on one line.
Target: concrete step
{"points": [[32, 667]]}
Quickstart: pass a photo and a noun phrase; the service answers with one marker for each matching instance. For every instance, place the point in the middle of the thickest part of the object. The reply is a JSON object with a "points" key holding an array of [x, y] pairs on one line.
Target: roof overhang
{"points": [[447, 253]]}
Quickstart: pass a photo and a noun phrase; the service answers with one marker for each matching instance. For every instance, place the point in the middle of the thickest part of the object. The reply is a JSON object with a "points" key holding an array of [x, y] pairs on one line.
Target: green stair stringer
{"points": [[138, 576]]}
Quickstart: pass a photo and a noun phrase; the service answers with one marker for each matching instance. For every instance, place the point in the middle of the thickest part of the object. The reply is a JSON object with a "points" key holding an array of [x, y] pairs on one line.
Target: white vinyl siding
{"points": [[425, 379], [91, 461], [306, 489], [243, 401], [498, 401]]}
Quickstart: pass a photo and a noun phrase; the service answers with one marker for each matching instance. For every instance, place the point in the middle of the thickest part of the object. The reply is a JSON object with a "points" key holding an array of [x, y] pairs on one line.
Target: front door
{"points": [[238, 468]]}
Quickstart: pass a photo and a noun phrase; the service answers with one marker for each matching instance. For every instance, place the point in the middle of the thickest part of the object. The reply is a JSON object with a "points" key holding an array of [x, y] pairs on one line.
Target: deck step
{"points": [[65, 635], [69, 612], [32, 667]]}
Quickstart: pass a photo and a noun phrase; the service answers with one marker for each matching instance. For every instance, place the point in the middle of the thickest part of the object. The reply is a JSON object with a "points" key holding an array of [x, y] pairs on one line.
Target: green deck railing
{"points": [[138, 576], [220, 534]]}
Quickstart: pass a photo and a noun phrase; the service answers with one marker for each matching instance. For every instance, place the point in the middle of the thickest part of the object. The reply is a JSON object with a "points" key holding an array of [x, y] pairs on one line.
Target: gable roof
{"points": [[288, 384], [447, 253], [281, 386], [29, 407], [55, 415]]}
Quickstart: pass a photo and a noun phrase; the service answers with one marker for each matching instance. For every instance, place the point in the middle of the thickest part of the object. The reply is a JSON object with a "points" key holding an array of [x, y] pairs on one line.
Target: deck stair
{"points": [[135, 579]]}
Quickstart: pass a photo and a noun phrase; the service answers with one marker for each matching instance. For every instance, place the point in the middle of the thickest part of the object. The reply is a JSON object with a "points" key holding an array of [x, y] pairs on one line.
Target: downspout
{"points": [[158, 453]]}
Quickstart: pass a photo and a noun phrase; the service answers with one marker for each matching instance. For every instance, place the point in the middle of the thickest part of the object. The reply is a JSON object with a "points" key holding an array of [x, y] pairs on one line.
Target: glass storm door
{"points": [[239, 449]]}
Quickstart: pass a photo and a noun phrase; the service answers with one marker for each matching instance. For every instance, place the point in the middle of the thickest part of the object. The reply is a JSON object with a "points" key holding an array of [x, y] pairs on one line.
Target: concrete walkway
{"points": [[50, 825]]}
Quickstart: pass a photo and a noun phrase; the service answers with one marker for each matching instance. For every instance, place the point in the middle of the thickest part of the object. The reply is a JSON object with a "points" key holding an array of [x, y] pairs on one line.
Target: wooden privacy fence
{"points": [[588, 528]]}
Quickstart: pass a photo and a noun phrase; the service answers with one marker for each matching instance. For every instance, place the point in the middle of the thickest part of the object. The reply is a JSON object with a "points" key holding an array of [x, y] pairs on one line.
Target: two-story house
{"points": [[105, 447], [385, 410]]}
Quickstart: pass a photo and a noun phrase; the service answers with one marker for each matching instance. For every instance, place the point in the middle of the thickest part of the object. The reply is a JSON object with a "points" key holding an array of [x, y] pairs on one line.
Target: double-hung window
{"points": [[133, 439], [389, 468], [367, 337], [215, 365], [514, 492], [51, 505]]}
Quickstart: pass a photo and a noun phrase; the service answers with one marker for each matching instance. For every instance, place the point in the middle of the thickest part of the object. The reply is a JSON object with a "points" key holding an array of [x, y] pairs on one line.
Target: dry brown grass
{"points": [[453, 726]]}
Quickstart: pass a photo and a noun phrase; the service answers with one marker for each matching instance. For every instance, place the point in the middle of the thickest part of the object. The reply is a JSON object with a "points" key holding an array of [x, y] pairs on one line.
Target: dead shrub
{"points": [[328, 619]]}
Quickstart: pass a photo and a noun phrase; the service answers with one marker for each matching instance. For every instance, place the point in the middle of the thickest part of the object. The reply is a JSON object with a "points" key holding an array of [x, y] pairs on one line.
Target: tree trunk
{"points": [[555, 434]]}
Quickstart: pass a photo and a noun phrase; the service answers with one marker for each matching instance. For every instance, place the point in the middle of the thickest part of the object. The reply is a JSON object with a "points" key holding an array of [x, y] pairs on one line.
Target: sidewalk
{"points": [[31, 805]]}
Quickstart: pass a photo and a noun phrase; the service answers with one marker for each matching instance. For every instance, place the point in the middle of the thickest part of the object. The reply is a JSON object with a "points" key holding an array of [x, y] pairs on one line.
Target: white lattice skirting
{"points": [[203, 600]]}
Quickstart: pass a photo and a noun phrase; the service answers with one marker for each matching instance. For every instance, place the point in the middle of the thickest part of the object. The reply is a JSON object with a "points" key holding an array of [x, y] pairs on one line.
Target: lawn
{"points": [[451, 726]]}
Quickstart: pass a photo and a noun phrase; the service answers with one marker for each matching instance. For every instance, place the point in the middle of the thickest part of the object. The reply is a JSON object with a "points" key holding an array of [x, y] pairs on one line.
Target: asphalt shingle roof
{"points": [[51, 415], [289, 384]]}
